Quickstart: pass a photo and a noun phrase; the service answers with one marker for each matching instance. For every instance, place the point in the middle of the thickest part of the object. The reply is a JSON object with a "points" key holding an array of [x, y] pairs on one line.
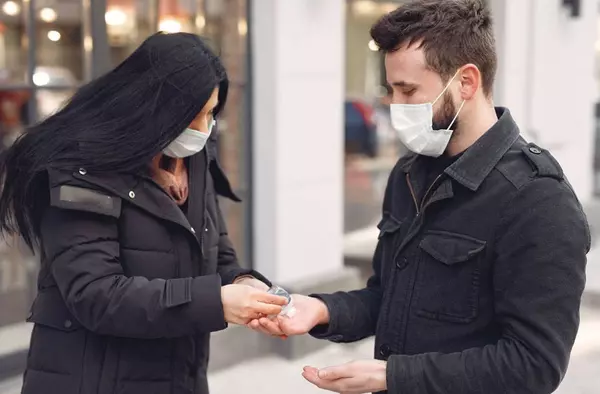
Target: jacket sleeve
{"points": [[352, 315], [228, 266], [539, 277], [82, 248]]}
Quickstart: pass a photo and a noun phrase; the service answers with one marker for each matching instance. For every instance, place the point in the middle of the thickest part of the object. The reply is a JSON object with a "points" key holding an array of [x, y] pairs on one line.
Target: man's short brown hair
{"points": [[452, 33]]}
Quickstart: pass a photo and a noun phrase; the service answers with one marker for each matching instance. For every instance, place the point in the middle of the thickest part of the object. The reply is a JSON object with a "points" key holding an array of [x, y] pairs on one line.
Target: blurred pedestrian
{"points": [[480, 265], [119, 192]]}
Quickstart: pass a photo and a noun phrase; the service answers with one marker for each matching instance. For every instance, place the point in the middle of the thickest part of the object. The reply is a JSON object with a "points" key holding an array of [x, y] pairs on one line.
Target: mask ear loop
{"points": [[445, 89], [456, 116]]}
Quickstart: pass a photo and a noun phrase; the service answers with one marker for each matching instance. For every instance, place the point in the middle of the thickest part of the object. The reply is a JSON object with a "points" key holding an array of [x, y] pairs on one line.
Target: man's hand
{"points": [[310, 312], [252, 282], [356, 377]]}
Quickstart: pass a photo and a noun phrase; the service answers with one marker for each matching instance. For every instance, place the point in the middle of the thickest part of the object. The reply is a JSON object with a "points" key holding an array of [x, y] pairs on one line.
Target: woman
{"points": [[119, 190]]}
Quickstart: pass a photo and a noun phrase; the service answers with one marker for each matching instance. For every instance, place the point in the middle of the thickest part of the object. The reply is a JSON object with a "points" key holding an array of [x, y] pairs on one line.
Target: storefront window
{"points": [[58, 43], [13, 54], [226, 27]]}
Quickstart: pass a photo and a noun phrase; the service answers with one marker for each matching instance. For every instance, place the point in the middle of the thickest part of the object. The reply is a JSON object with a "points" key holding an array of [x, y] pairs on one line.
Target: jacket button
{"points": [[132, 194], [206, 230], [68, 323], [535, 150], [401, 263], [82, 171], [385, 351]]}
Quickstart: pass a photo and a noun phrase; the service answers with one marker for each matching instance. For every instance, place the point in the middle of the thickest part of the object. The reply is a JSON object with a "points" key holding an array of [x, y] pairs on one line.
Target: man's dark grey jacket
{"points": [[477, 278]]}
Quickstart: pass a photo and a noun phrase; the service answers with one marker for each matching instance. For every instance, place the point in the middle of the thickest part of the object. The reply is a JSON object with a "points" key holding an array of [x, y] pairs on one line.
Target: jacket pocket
{"points": [[448, 280], [55, 332]]}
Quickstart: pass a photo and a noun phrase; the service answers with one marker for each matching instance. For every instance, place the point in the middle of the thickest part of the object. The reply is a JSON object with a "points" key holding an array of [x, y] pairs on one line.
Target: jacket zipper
{"points": [[206, 175], [412, 193], [411, 234], [420, 208]]}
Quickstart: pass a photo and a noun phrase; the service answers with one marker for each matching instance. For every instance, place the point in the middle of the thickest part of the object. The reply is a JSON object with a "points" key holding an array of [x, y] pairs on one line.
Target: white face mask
{"points": [[189, 142], [414, 124]]}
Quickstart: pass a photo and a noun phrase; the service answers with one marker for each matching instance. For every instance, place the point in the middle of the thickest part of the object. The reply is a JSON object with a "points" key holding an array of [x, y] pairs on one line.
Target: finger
{"points": [[310, 369], [263, 331], [271, 326], [254, 324], [311, 374], [272, 299], [336, 372], [266, 309]]}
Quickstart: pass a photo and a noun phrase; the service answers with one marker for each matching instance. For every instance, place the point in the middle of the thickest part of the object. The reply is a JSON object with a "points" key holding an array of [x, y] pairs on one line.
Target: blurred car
{"points": [[360, 128]]}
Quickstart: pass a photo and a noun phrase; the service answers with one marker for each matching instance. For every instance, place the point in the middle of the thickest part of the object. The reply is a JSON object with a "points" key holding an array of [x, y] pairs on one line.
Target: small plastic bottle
{"points": [[288, 310]]}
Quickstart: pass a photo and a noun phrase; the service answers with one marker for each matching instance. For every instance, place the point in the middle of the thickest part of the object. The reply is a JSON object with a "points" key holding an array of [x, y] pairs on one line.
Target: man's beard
{"points": [[444, 116]]}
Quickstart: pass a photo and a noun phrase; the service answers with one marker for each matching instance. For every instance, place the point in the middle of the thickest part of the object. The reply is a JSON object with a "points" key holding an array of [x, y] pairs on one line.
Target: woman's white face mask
{"points": [[414, 125], [189, 142]]}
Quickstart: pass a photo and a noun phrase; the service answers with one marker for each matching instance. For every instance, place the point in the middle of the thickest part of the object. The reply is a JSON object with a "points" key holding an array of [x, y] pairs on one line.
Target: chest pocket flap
{"points": [[388, 225], [450, 248]]}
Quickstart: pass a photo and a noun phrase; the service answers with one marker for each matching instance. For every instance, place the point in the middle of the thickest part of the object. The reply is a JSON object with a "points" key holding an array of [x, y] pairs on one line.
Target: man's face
{"points": [[412, 82]]}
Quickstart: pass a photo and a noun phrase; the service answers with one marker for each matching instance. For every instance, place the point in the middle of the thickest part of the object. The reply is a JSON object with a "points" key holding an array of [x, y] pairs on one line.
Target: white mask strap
{"points": [[446, 88], [456, 116]]}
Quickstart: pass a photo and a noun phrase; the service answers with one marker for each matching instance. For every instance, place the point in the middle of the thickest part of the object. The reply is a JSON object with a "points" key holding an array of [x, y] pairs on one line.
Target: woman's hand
{"points": [[252, 282], [242, 303]]}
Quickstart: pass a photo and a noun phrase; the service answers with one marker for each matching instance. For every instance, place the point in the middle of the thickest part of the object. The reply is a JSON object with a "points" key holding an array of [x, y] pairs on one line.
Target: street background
{"points": [[306, 125]]}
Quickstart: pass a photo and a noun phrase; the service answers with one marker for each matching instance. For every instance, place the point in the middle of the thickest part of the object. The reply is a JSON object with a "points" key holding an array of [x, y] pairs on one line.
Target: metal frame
{"points": [[249, 239], [29, 16]]}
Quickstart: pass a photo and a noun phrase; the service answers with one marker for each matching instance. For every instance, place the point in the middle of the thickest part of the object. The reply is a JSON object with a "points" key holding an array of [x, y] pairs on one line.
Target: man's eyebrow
{"points": [[403, 84]]}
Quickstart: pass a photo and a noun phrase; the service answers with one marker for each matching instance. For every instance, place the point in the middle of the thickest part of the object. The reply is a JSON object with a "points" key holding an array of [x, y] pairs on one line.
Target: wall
{"points": [[298, 79]]}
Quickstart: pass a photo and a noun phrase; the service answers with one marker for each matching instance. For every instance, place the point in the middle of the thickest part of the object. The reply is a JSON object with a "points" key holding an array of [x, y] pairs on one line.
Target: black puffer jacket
{"points": [[130, 283]]}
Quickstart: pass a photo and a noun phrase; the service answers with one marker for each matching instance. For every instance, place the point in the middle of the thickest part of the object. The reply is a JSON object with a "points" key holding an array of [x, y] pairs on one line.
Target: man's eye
{"points": [[409, 92]]}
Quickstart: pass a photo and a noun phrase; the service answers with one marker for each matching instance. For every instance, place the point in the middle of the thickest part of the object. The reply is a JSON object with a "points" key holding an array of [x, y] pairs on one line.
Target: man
{"points": [[480, 264]]}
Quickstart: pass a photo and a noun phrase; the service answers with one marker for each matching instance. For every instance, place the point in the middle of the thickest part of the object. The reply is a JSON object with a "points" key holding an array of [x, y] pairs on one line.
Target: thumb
{"points": [[334, 373], [325, 374], [272, 299]]}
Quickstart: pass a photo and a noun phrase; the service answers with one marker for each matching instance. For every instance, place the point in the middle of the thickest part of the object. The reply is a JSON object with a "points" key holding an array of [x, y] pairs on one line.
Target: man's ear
{"points": [[469, 78]]}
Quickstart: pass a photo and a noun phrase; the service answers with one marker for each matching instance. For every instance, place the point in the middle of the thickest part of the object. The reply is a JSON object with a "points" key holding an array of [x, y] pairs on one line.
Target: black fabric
{"points": [[478, 288], [435, 166], [129, 286]]}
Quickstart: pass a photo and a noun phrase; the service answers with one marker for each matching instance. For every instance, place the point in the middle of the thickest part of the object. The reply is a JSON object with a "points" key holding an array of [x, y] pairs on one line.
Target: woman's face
{"points": [[205, 116]]}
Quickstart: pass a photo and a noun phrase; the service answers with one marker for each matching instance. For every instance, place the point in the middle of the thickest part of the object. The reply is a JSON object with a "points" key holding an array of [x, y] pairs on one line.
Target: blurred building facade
{"points": [[297, 68]]}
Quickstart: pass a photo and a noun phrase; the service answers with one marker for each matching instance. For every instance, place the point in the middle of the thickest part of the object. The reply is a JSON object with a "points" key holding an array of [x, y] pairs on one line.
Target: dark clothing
{"points": [[435, 166], [477, 283], [130, 286]]}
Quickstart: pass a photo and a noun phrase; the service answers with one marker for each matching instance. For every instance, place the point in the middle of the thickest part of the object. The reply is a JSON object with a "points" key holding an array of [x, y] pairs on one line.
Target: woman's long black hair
{"points": [[116, 123]]}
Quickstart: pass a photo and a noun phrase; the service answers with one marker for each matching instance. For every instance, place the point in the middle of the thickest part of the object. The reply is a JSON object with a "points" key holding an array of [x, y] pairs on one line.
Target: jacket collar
{"points": [[476, 163]]}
